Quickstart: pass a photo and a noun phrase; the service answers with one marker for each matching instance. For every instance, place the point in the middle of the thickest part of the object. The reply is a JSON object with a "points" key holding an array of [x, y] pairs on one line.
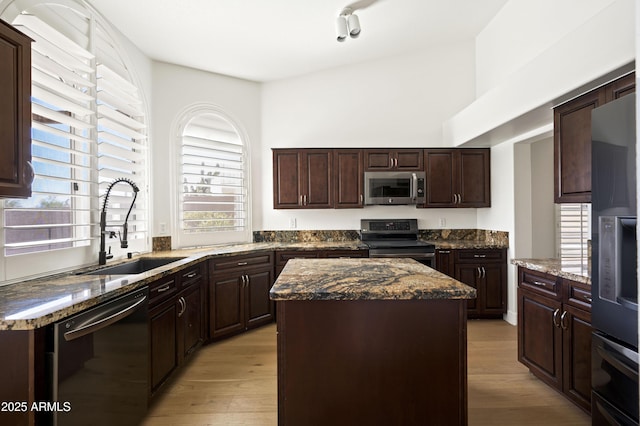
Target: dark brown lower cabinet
{"points": [[176, 321], [554, 333], [239, 293], [483, 269]]}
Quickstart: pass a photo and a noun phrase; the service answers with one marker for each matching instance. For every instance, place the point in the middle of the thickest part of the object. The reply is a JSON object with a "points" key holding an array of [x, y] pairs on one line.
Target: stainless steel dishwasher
{"points": [[99, 363]]}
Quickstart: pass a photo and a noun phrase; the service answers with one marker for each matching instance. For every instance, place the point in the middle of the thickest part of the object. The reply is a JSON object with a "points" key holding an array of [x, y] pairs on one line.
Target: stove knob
{"points": [[390, 200]]}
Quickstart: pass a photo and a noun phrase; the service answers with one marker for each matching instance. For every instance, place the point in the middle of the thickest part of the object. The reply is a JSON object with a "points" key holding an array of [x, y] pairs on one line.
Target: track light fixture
{"points": [[347, 24]]}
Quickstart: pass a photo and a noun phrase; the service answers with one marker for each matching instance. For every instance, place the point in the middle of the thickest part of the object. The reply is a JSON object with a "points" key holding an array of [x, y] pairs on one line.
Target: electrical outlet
{"points": [[293, 223], [443, 222], [163, 228]]}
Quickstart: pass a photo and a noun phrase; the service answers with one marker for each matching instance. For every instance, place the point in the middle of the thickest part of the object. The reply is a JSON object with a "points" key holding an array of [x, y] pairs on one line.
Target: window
{"points": [[213, 183], [573, 221], [88, 128]]}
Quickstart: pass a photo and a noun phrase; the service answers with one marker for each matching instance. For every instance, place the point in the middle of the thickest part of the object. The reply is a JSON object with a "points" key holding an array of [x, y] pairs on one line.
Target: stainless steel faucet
{"points": [[103, 255]]}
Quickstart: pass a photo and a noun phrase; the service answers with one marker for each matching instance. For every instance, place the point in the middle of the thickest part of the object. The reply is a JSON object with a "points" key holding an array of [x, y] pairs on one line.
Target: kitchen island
{"points": [[370, 341]]}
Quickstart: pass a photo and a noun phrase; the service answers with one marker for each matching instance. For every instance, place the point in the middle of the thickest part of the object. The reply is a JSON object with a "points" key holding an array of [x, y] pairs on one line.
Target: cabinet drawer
{"points": [[480, 255], [162, 289], [577, 294], [230, 263], [539, 282], [191, 275], [283, 256]]}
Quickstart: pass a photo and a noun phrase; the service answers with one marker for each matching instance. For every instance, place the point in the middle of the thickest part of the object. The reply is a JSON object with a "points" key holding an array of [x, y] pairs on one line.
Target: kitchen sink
{"points": [[137, 266]]}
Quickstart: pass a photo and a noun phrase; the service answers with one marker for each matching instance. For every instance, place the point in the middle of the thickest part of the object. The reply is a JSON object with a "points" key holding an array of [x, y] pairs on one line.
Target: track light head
{"points": [[341, 28], [354, 26]]}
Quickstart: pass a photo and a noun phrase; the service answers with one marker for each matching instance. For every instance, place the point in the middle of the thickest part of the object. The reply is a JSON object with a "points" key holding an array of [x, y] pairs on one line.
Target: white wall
{"points": [[522, 30], [543, 242], [396, 102], [175, 89], [521, 101]]}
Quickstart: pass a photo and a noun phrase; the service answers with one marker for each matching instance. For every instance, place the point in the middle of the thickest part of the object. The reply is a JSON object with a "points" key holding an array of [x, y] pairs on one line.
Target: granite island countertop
{"points": [[573, 269], [365, 279]]}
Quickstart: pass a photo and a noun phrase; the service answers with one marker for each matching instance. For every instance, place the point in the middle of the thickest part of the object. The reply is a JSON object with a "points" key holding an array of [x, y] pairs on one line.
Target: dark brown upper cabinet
{"points": [[458, 177], [302, 178], [16, 171], [348, 178], [572, 140], [393, 159]]}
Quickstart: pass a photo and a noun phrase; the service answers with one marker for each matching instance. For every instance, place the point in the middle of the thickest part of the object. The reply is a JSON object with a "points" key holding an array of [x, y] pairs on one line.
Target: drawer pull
{"points": [[538, 283], [588, 298], [480, 255], [191, 274], [164, 287], [445, 251], [243, 263]]}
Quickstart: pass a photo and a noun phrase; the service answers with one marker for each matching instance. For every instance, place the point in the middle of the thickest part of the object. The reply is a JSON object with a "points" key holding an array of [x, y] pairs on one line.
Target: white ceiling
{"points": [[265, 40]]}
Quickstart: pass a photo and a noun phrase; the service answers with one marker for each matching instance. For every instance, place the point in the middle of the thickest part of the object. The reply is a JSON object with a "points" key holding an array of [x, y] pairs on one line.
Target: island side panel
{"points": [[373, 362]]}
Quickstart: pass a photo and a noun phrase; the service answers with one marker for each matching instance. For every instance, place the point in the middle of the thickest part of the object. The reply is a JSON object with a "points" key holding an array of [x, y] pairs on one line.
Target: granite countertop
{"points": [[38, 302], [365, 279], [466, 244], [573, 269]]}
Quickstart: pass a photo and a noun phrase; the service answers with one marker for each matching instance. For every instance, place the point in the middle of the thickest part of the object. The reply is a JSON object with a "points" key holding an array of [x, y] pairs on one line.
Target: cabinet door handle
{"points": [[248, 281], [304, 200], [588, 298], [361, 198], [479, 272], [242, 280], [484, 272], [555, 318], [562, 324], [164, 288], [183, 306]]}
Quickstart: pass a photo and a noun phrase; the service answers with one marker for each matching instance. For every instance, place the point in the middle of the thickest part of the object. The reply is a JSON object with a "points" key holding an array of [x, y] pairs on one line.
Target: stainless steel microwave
{"points": [[388, 188]]}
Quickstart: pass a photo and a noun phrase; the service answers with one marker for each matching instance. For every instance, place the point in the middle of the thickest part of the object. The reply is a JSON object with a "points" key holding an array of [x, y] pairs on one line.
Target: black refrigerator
{"points": [[614, 356]]}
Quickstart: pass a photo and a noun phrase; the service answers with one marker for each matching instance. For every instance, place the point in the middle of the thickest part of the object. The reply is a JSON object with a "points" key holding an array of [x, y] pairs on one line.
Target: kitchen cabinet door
{"points": [[444, 262], [458, 177], [539, 337], [572, 140], [226, 305], [572, 145], [474, 178], [16, 172], [576, 325], [163, 332], [302, 178], [469, 274], [348, 178], [260, 308], [383, 159], [190, 318]]}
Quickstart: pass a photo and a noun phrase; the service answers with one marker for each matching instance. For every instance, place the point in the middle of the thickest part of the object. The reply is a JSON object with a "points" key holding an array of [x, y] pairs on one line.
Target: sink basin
{"points": [[137, 266]]}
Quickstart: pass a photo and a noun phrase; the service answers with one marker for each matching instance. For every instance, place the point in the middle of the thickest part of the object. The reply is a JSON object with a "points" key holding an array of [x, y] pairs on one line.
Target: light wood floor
{"points": [[233, 382]]}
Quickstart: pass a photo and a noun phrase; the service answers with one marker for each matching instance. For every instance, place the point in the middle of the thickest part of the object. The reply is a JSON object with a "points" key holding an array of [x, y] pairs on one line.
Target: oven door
{"points": [[427, 259], [614, 377]]}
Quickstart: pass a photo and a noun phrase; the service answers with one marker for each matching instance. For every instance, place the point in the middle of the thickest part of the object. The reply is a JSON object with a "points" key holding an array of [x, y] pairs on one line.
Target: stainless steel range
{"points": [[396, 238]]}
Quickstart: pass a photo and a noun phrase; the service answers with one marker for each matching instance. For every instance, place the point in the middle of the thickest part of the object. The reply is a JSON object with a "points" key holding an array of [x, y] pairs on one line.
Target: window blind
{"points": [[214, 189], [87, 129], [574, 230]]}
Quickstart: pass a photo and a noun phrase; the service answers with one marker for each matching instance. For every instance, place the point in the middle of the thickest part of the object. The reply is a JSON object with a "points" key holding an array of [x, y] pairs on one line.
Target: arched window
{"points": [[213, 191], [88, 128]]}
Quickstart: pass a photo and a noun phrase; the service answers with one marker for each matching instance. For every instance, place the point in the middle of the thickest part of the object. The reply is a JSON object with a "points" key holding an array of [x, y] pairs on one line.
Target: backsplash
{"points": [[498, 238]]}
